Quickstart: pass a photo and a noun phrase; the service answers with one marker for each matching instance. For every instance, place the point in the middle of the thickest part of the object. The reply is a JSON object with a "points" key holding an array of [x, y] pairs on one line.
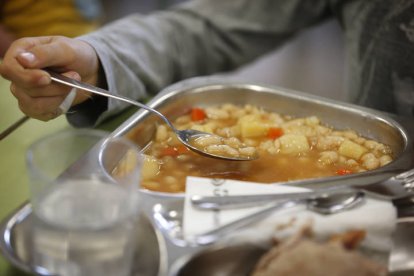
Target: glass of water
{"points": [[85, 200]]}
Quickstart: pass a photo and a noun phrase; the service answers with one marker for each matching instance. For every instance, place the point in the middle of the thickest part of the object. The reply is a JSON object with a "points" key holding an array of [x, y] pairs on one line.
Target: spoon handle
{"points": [[59, 78], [211, 236], [241, 201], [319, 205]]}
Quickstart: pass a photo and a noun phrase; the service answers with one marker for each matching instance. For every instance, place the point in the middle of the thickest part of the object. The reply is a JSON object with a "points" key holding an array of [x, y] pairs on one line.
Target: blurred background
{"points": [[312, 62]]}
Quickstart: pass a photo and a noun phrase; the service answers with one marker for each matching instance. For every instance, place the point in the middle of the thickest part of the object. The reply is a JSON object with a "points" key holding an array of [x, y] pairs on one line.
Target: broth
{"points": [[289, 149]]}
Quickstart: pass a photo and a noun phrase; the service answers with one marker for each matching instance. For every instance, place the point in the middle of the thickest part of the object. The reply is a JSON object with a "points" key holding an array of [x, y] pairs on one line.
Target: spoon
{"points": [[187, 136], [169, 220], [242, 201]]}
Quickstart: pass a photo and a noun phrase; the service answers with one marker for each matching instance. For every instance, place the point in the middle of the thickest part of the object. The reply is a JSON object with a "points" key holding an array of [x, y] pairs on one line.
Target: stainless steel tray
{"points": [[150, 257], [157, 253], [158, 256], [239, 260], [179, 98], [235, 260]]}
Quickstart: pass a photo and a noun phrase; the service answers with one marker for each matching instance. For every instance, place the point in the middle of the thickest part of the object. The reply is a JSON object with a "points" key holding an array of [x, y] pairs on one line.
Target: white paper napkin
{"points": [[378, 218], [67, 102]]}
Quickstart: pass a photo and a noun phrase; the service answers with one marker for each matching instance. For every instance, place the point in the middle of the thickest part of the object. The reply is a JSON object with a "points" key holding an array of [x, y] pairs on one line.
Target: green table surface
{"points": [[13, 181]]}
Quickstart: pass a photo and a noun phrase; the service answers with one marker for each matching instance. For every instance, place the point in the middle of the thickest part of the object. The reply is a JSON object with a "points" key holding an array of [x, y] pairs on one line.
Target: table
{"points": [[14, 182]]}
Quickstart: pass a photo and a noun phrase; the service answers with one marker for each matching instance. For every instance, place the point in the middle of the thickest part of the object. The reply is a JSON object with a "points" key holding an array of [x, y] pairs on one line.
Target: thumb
{"points": [[57, 52]]}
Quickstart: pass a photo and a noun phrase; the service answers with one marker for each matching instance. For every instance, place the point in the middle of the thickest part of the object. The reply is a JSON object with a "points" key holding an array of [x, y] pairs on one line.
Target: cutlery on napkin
{"points": [[377, 217]]}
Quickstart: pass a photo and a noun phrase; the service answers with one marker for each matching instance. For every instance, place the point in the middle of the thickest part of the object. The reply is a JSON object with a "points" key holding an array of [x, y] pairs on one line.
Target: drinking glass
{"points": [[85, 200]]}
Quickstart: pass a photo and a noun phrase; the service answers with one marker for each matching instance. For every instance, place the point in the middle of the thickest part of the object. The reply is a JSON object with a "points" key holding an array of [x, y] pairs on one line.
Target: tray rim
{"points": [[167, 266], [200, 84], [6, 227], [24, 211], [182, 260]]}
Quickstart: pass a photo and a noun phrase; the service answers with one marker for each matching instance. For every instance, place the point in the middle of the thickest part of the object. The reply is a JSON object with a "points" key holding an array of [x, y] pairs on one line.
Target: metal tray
{"points": [[239, 260], [179, 98], [150, 258], [159, 256], [236, 260]]}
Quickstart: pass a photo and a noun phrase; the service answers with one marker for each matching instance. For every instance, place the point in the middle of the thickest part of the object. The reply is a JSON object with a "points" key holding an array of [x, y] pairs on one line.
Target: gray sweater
{"points": [[141, 54]]}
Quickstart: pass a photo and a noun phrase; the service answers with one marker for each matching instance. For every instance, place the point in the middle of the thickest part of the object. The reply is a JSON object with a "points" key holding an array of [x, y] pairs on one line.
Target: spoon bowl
{"points": [[189, 137], [186, 137], [317, 198], [337, 202]]}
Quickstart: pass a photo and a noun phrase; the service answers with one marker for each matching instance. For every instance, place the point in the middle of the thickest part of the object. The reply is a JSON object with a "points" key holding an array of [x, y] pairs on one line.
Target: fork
{"points": [[399, 189], [394, 188]]}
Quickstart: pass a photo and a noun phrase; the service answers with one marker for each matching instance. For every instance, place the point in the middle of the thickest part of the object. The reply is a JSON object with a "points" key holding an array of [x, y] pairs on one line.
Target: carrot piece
{"points": [[181, 149], [169, 151], [174, 151], [343, 171], [198, 114], [274, 132]]}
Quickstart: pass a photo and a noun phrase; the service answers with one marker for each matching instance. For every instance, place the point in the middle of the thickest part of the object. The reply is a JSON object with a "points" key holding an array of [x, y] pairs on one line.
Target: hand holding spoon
{"points": [[188, 137]]}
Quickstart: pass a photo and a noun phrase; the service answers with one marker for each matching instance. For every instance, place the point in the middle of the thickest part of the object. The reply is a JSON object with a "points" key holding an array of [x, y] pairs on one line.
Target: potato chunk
{"points": [[253, 126], [161, 133], [351, 149], [293, 143], [150, 167]]}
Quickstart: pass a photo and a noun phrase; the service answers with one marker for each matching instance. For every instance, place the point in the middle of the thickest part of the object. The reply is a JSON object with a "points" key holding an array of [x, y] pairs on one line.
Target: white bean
{"points": [[329, 142], [369, 161], [205, 141], [328, 157], [371, 144], [385, 159], [222, 149], [312, 121], [350, 134], [351, 163], [183, 120], [359, 140], [248, 151], [216, 113], [233, 142]]}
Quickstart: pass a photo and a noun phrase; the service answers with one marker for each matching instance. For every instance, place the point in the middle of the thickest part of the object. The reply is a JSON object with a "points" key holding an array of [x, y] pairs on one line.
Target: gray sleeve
{"points": [[141, 54]]}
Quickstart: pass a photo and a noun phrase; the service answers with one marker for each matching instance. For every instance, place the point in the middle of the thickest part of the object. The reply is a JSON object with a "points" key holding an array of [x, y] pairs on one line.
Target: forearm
{"points": [[142, 54]]}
